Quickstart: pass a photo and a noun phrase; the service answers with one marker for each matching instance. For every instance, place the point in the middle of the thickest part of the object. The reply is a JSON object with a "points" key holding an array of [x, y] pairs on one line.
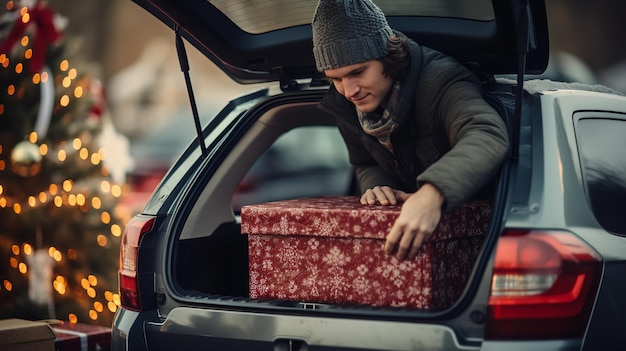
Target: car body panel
{"points": [[224, 328], [606, 327]]}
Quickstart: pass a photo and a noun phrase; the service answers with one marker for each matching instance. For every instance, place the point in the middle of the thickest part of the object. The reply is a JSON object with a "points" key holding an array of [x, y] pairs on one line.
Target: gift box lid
{"points": [[345, 216], [81, 336], [64, 327], [24, 335]]}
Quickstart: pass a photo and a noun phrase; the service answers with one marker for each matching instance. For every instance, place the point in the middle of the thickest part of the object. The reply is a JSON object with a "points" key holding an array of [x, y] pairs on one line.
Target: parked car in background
{"points": [[550, 271]]}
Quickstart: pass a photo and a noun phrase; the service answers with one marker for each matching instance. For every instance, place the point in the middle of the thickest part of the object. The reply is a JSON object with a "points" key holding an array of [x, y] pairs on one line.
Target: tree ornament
{"points": [[46, 33], [40, 277], [25, 159]]}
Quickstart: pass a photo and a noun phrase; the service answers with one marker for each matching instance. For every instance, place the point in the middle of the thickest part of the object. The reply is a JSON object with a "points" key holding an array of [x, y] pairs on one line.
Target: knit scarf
{"points": [[380, 125]]}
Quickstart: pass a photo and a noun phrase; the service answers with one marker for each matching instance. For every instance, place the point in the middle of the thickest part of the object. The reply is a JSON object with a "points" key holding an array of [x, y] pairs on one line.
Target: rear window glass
{"points": [[306, 161], [601, 145], [260, 16]]}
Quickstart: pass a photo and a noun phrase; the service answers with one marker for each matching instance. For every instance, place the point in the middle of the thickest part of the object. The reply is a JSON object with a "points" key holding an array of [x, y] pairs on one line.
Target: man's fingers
{"points": [[407, 244], [380, 195], [404, 243], [406, 248], [390, 194], [391, 243], [415, 246], [368, 198], [383, 195]]}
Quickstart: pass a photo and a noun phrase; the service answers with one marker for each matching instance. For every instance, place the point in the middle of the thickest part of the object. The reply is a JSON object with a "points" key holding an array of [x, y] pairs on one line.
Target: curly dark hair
{"points": [[397, 58]]}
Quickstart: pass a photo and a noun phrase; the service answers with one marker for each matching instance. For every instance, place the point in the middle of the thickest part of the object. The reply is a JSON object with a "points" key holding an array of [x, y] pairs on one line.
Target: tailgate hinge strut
{"points": [[184, 66]]}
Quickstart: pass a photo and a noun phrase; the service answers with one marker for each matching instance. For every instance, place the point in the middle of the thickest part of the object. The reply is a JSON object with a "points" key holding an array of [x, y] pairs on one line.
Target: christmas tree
{"points": [[59, 232]]}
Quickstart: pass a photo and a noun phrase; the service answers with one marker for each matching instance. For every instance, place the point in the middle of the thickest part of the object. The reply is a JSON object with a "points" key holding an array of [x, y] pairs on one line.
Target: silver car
{"points": [[549, 274]]}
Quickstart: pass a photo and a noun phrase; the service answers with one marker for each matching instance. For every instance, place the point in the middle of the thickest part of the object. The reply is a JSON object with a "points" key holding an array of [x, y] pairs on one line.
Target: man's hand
{"points": [[418, 219], [384, 195]]}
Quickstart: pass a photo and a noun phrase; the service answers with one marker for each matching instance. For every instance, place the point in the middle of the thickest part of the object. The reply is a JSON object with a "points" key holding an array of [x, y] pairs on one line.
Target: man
{"points": [[414, 120]]}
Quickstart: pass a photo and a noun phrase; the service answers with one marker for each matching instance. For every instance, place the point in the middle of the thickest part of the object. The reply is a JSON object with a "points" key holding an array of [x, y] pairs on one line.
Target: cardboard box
{"points": [[330, 250], [23, 335], [81, 337]]}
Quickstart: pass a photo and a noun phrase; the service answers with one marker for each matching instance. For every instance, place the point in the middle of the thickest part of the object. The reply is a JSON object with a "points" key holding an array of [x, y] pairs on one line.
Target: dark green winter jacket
{"points": [[449, 135]]}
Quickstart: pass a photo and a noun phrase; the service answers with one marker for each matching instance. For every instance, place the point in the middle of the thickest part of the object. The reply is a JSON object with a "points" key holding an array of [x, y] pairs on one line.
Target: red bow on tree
{"points": [[45, 34]]}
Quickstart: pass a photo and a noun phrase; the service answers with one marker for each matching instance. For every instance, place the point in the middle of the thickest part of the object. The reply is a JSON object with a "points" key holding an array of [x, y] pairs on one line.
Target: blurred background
{"points": [[117, 115]]}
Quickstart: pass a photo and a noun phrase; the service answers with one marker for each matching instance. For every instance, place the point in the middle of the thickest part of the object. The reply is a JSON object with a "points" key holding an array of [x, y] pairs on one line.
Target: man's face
{"points": [[364, 84]]}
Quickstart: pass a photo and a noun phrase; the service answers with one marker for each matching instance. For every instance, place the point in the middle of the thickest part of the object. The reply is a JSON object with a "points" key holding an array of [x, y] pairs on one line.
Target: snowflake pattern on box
{"points": [[330, 250]]}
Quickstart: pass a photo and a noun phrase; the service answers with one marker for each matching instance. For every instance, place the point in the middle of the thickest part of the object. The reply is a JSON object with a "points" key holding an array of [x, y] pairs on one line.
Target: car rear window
{"points": [[260, 16], [601, 145], [304, 162]]}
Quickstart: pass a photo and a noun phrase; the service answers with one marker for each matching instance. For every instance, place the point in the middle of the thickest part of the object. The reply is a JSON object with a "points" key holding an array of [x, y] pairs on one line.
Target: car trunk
{"points": [[210, 281], [212, 260]]}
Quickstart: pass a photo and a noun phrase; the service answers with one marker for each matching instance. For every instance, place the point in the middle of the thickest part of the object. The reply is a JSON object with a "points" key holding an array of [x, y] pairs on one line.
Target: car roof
{"points": [[261, 41]]}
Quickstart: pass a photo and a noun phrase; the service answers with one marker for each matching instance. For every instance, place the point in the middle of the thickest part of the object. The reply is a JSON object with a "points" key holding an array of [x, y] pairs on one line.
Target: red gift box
{"points": [[81, 337], [330, 250]]}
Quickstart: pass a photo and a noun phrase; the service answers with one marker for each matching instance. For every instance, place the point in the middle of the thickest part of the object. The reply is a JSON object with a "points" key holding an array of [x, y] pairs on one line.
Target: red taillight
{"points": [[129, 287], [543, 286]]}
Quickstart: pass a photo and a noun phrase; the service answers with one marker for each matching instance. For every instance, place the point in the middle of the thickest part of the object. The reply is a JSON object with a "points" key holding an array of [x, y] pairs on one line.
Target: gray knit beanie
{"points": [[346, 32]]}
